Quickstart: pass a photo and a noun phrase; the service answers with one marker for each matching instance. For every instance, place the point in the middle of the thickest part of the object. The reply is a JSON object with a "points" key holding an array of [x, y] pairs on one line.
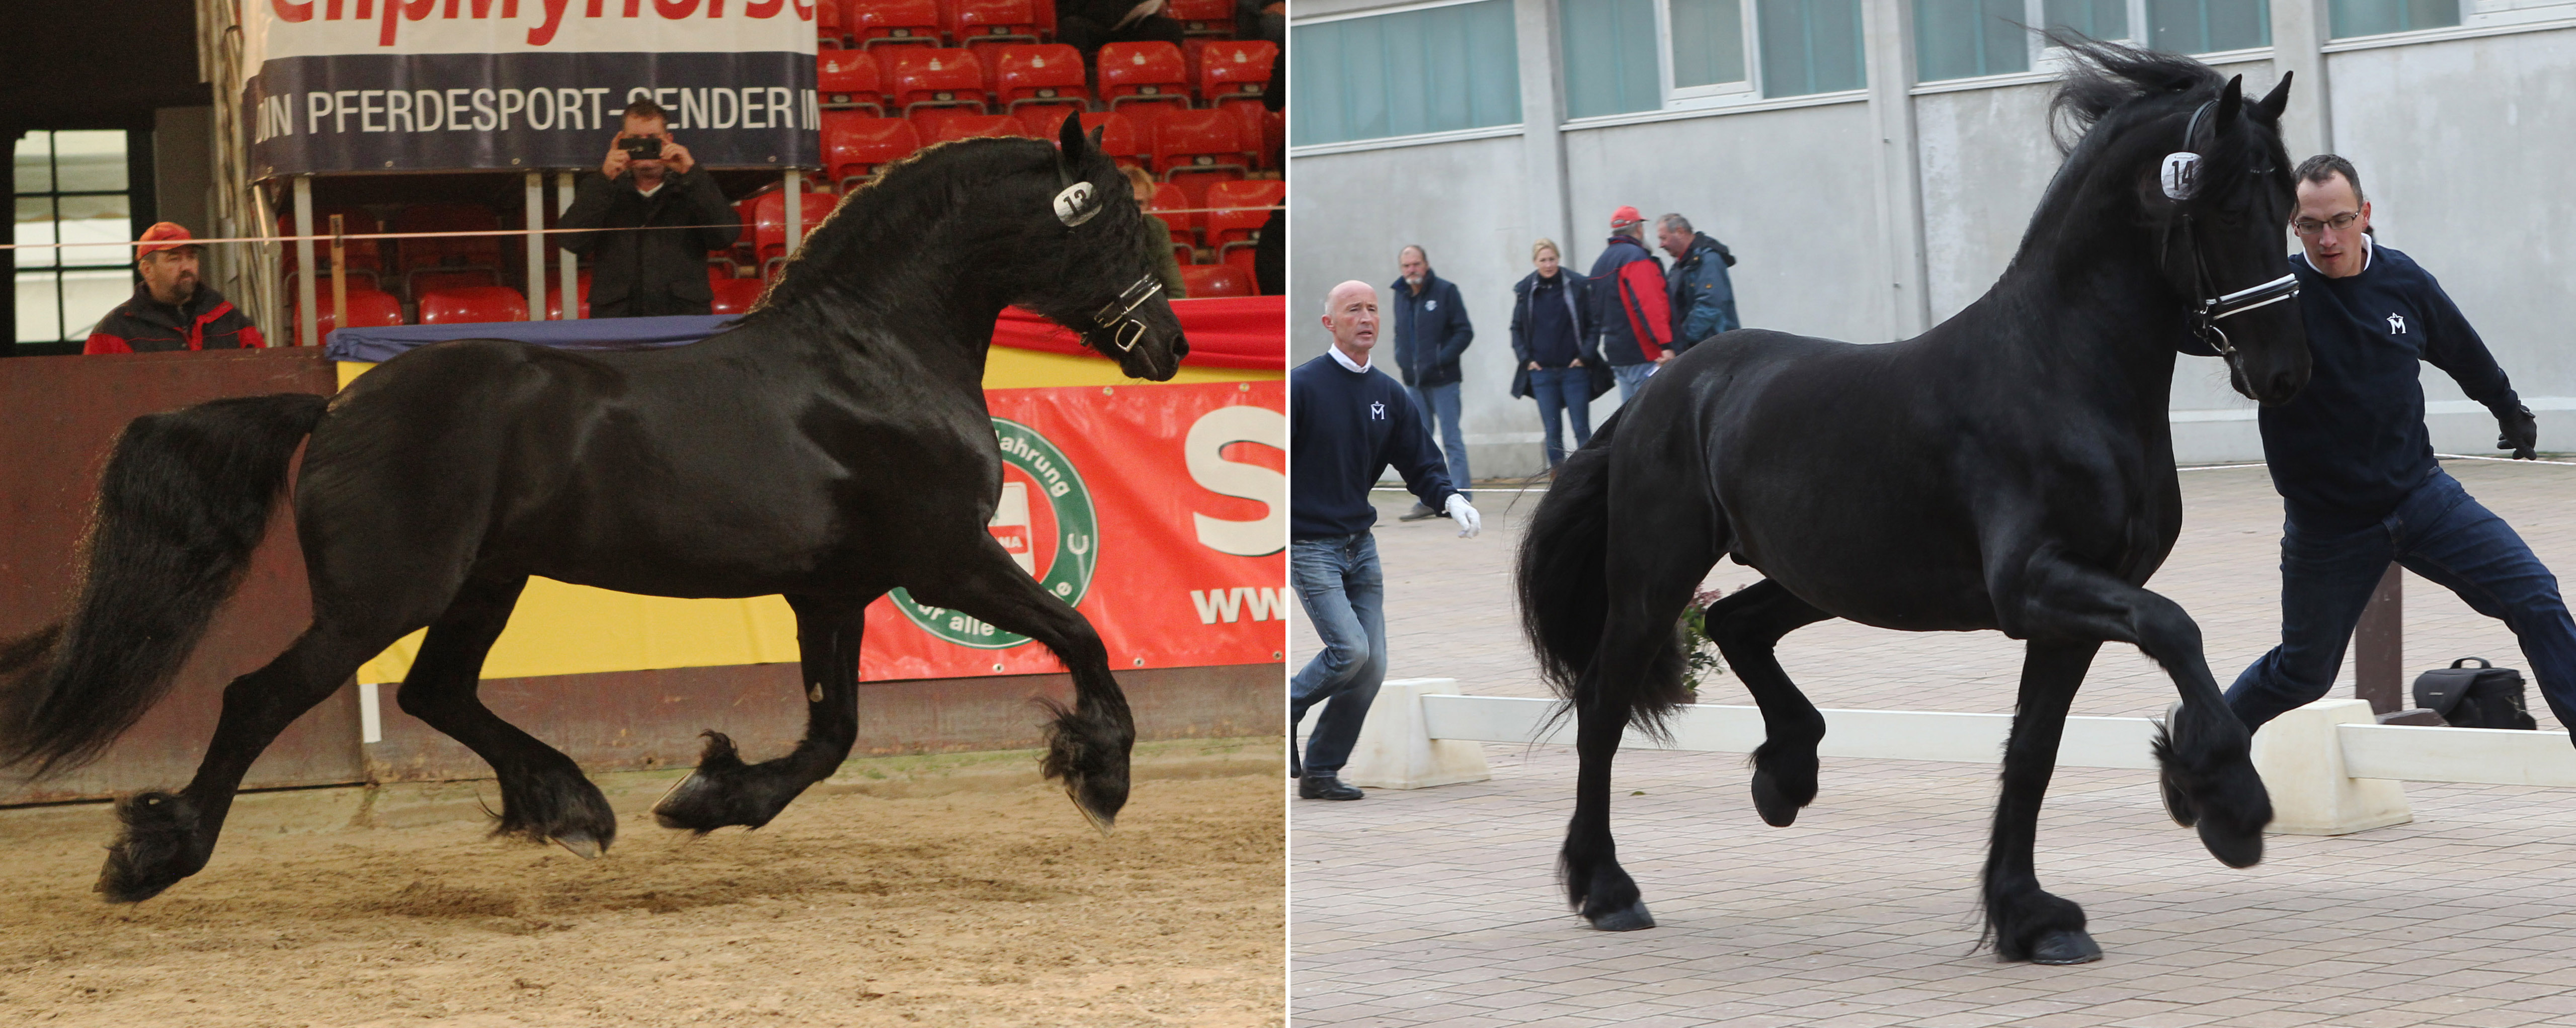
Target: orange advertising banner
{"points": [[1158, 511]]}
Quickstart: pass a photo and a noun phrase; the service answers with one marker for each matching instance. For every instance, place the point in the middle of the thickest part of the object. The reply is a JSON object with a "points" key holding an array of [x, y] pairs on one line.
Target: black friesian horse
{"points": [[833, 446], [2010, 469]]}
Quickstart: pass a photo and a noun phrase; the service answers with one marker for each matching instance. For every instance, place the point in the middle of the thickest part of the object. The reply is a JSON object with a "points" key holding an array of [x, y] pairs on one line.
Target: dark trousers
{"points": [[1089, 36], [2440, 532]]}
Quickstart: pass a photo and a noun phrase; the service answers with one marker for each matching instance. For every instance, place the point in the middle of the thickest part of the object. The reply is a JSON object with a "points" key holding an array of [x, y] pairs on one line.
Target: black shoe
{"points": [[1326, 787], [1419, 513], [1296, 767]]}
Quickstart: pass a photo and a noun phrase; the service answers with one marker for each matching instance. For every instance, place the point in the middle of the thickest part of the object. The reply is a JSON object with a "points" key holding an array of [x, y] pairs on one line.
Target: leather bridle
{"points": [[2211, 306], [1119, 315]]}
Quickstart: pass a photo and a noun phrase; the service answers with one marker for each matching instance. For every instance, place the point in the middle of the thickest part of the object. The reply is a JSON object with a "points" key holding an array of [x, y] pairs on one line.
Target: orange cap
{"points": [[1624, 217], [163, 235]]}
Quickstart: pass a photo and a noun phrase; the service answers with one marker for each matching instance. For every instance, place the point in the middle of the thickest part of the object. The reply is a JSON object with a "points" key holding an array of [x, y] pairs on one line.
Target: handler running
{"points": [[1346, 422], [2354, 464]]}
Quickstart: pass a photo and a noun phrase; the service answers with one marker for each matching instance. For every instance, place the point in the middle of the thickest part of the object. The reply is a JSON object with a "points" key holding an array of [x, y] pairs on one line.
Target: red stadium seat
{"points": [[849, 79], [1233, 68], [829, 32], [1252, 129], [1238, 214], [368, 308], [470, 251], [359, 278], [769, 223], [970, 126], [1147, 72], [855, 146], [1039, 74], [1183, 227], [361, 254], [1194, 141], [1241, 259], [472, 304], [1119, 137], [736, 295], [554, 296], [873, 23], [1202, 17], [992, 21], [420, 282], [923, 77], [1215, 280]]}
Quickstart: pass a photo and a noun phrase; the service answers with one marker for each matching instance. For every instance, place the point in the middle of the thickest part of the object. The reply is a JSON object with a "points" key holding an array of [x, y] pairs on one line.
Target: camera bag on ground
{"points": [[2484, 696]]}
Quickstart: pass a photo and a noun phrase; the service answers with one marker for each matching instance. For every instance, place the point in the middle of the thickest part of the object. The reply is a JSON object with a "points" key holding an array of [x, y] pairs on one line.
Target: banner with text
{"points": [[442, 85], [1160, 512]]}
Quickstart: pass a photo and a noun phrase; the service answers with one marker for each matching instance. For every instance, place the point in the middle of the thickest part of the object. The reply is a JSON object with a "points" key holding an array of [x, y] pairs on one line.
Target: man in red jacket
{"points": [[1629, 304], [171, 310]]}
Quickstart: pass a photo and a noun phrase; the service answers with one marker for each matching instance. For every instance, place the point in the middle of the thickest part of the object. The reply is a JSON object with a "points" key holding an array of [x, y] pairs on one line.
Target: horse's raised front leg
{"points": [[725, 791], [168, 836], [1747, 627], [1087, 745], [2206, 754], [544, 795], [2025, 921]]}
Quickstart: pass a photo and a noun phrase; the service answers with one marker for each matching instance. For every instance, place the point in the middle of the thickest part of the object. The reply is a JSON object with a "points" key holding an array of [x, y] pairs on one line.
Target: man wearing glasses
{"points": [[2354, 464]]}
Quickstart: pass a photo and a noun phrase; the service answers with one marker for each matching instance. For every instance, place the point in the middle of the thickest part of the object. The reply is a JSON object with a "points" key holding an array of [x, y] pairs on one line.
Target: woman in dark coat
{"points": [[1551, 330]]}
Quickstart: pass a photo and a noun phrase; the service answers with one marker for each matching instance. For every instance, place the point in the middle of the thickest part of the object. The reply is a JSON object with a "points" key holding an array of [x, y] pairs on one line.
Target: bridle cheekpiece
{"points": [[2182, 180]]}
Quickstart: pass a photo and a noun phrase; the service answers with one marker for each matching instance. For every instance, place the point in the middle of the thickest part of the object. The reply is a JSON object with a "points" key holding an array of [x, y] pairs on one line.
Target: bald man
{"points": [[1347, 423]]}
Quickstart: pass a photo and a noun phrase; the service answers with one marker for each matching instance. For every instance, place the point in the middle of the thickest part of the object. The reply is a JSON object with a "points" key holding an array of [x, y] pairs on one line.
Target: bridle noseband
{"points": [[1120, 314], [2213, 306]]}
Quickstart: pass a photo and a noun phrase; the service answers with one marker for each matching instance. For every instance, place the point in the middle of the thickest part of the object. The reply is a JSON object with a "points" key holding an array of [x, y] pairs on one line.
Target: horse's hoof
{"points": [[580, 844], [1626, 919], [691, 805], [1777, 810], [2065, 947], [2178, 804], [2242, 850]]}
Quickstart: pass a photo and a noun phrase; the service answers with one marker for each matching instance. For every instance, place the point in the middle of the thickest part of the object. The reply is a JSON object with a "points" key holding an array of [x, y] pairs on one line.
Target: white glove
{"points": [[1464, 514]]}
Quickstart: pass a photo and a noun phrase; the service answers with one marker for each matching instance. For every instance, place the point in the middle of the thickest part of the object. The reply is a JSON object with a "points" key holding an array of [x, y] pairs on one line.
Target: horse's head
{"points": [[2220, 200], [1104, 272]]}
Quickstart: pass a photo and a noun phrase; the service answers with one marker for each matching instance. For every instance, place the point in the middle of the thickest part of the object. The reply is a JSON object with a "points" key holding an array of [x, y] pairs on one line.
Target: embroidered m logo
{"points": [[2396, 324]]}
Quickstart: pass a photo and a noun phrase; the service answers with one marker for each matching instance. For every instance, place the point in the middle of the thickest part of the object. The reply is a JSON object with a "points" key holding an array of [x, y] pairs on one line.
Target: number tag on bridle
{"points": [[2181, 175], [1073, 206]]}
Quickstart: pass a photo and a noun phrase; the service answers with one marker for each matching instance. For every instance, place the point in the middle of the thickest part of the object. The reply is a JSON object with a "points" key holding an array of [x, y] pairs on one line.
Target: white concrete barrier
{"points": [[2330, 769]]}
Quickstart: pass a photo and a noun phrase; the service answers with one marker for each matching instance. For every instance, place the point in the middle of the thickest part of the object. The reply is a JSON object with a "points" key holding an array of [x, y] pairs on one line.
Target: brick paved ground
{"points": [[1438, 906]]}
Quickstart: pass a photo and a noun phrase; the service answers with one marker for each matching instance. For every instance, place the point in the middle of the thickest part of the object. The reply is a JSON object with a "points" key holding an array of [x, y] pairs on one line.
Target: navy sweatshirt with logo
{"points": [[1344, 429], [2350, 446]]}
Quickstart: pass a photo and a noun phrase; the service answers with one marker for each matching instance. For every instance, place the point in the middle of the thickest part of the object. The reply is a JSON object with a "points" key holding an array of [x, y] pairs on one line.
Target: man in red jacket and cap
{"points": [[1629, 304], [171, 310]]}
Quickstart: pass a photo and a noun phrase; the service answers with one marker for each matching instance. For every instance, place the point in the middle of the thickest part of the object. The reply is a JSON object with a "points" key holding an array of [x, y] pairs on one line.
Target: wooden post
{"points": [[339, 281], [2379, 646], [305, 315]]}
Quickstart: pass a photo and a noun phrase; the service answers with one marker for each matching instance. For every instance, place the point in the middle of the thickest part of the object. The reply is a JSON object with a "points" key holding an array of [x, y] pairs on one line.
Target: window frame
{"points": [[58, 264], [1678, 97], [1512, 127]]}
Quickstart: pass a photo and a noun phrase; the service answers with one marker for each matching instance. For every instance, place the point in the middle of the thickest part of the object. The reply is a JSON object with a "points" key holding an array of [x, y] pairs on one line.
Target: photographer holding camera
{"points": [[650, 186]]}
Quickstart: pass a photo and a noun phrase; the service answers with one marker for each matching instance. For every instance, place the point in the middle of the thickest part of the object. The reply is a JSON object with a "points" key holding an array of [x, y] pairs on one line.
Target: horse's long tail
{"points": [[1564, 597], [185, 499]]}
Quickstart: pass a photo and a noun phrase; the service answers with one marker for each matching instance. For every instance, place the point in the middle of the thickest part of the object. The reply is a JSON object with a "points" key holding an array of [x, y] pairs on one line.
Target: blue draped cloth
{"points": [[377, 345]]}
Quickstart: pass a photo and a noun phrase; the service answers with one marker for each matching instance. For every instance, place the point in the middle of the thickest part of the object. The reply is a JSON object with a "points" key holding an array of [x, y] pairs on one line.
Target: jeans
{"points": [[1441, 402], [2446, 536], [1568, 390], [1632, 377], [1338, 582]]}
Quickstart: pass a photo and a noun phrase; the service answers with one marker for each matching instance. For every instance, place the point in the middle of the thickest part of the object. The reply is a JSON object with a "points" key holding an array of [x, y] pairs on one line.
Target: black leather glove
{"points": [[2518, 432]]}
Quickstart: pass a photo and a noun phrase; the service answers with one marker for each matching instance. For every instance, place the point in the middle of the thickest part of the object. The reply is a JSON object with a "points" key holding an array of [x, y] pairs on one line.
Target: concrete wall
{"points": [[2457, 133]]}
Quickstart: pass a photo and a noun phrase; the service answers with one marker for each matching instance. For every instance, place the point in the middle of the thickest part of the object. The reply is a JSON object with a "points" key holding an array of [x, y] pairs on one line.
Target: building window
{"points": [[1435, 69], [72, 187], [1643, 55], [1957, 39], [2374, 17], [1810, 46], [2208, 26], [2100, 19]]}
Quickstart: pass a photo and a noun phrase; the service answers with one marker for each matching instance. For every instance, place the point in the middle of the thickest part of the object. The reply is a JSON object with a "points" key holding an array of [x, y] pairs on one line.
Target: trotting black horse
{"points": [[2010, 469], [833, 446]]}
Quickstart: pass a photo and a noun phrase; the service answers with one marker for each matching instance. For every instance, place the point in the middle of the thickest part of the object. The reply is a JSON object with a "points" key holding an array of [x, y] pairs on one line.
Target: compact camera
{"points": [[641, 148]]}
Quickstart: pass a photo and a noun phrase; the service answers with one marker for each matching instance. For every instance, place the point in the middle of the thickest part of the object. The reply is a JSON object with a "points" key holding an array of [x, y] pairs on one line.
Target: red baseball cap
{"points": [[1624, 217], [163, 235]]}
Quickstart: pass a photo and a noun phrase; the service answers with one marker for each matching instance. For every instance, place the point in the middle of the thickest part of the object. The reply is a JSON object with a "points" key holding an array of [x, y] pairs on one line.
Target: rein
{"points": [[2181, 182]]}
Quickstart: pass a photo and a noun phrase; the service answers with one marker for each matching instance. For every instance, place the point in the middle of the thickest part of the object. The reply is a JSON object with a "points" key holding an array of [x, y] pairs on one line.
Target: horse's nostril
{"points": [[1180, 347]]}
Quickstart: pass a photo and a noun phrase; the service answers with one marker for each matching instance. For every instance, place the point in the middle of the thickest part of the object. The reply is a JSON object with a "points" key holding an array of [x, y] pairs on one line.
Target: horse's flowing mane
{"points": [[913, 191], [2105, 76]]}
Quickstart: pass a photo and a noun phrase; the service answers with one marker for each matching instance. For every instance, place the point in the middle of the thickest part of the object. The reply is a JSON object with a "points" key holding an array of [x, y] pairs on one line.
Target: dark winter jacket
{"points": [[1703, 296], [1630, 308], [145, 325], [1553, 330], [652, 273], [1431, 331]]}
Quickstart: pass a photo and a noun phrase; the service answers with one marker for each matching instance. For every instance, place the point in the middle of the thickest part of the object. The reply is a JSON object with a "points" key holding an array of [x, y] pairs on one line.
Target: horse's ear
{"points": [[2230, 101], [1072, 142], [1096, 132], [2268, 109]]}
